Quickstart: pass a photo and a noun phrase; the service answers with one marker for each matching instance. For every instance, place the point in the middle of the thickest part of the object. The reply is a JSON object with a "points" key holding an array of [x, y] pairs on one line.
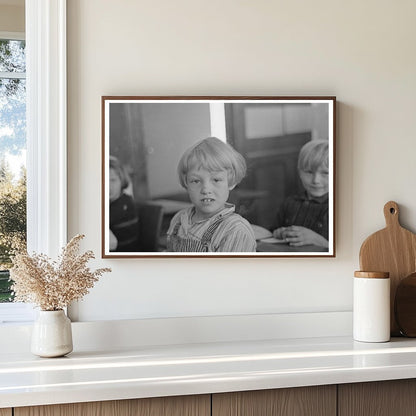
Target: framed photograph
{"points": [[218, 176]]}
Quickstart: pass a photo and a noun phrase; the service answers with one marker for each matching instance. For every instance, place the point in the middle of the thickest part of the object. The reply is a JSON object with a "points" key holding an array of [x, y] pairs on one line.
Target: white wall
{"points": [[360, 51]]}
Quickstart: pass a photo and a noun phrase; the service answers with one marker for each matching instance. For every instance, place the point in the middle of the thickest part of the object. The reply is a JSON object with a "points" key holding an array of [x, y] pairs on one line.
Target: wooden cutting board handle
{"points": [[391, 214], [393, 250]]}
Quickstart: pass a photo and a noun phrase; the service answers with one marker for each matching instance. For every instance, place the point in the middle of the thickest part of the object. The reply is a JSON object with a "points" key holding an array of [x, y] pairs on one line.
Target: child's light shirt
{"points": [[224, 232]]}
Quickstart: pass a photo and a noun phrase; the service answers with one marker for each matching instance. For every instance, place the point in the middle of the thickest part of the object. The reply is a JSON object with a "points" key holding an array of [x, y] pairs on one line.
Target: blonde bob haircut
{"points": [[213, 155], [313, 155]]}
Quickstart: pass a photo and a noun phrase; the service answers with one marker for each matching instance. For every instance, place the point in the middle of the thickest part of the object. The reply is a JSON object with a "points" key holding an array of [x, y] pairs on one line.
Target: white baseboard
{"points": [[110, 335]]}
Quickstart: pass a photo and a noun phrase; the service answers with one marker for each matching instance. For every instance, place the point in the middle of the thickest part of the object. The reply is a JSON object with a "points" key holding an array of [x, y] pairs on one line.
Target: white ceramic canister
{"points": [[371, 306]]}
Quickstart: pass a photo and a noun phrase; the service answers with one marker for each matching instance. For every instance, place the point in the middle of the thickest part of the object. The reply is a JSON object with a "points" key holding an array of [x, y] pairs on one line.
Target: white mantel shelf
{"points": [[151, 371]]}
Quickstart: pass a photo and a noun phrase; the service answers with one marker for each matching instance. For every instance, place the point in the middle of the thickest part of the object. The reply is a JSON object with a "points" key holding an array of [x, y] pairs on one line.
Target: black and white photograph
{"points": [[218, 176]]}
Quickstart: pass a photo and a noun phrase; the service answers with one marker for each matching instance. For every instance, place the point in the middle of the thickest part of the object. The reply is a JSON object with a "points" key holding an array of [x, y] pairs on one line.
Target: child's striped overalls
{"points": [[189, 244]]}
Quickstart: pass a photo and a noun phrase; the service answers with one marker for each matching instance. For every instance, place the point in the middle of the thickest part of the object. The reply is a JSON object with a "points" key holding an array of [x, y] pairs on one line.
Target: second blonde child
{"points": [[303, 219]]}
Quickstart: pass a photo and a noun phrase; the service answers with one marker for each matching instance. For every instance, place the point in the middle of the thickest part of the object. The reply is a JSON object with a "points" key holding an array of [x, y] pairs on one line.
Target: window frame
{"points": [[46, 125], [46, 121]]}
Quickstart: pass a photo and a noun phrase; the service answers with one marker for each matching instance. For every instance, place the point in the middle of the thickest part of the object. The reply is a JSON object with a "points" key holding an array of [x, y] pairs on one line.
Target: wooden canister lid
{"points": [[372, 275]]}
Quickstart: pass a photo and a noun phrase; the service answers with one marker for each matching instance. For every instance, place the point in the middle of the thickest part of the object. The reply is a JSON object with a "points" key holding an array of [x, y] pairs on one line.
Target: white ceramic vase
{"points": [[52, 334]]}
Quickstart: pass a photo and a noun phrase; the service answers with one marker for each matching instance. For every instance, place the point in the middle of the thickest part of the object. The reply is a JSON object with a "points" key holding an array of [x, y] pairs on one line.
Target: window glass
{"points": [[12, 156], [12, 55]]}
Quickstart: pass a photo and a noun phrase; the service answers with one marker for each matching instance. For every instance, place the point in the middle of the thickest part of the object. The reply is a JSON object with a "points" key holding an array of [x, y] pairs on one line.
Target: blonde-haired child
{"points": [[209, 170], [303, 219]]}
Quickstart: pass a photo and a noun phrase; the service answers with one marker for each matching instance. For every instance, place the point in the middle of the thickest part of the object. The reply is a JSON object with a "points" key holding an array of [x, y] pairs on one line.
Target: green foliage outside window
{"points": [[12, 224], [12, 147]]}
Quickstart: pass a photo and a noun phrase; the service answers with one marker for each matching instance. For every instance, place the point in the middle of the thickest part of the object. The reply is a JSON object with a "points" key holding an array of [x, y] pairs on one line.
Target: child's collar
{"points": [[319, 199], [228, 209]]}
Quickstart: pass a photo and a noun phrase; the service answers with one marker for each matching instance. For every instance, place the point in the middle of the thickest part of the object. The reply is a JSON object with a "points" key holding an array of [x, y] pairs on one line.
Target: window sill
{"points": [[16, 313]]}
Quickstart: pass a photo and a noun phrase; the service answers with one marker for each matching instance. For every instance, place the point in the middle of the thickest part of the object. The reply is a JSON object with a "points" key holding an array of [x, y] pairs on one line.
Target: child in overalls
{"points": [[209, 170]]}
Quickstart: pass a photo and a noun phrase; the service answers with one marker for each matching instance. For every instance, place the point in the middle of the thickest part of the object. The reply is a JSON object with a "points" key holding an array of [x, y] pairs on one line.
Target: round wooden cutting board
{"points": [[405, 306], [392, 250]]}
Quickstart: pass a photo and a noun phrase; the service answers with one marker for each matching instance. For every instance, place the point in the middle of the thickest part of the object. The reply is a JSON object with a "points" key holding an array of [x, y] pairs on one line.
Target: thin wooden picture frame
{"points": [[146, 212]]}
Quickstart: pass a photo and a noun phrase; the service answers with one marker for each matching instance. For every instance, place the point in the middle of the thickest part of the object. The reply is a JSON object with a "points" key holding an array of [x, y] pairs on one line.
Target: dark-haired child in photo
{"points": [[123, 213]]}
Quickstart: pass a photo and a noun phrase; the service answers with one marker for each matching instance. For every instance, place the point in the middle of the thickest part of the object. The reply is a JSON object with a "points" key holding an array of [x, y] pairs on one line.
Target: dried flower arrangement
{"points": [[52, 285]]}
